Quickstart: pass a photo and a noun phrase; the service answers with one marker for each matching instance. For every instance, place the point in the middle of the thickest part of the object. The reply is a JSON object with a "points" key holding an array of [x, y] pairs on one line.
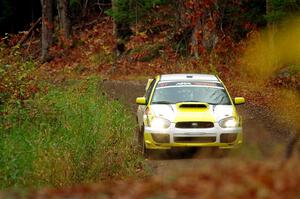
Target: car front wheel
{"points": [[141, 143]]}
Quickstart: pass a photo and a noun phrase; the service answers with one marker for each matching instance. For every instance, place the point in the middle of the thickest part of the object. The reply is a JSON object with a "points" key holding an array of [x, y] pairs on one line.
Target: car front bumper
{"points": [[193, 137]]}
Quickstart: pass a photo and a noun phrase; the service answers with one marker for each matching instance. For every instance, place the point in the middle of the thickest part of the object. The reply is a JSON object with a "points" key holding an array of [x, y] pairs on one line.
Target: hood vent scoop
{"points": [[192, 105]]}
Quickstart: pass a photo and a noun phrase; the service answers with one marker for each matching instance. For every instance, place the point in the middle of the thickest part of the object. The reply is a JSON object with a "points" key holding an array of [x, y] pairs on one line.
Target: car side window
{"points": [[148, 92]]}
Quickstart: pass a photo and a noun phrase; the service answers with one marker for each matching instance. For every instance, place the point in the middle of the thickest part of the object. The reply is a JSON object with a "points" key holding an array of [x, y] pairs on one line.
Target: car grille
{"points": [[194, 139], [160, 138], [188, 125], [228, 137]]}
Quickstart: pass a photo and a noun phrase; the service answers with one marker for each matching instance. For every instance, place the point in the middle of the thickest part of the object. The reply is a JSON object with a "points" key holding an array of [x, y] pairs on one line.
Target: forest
{"points": [[62, 125]]}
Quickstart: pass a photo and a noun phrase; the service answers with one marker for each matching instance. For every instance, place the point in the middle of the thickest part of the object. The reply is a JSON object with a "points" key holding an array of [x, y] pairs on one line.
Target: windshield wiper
{"points": [[188, 101], [219, 103], [162, 102]]}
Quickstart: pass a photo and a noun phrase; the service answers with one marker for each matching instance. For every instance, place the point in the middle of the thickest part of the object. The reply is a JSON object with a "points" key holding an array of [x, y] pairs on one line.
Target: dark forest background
{"points": [[16, 15]]}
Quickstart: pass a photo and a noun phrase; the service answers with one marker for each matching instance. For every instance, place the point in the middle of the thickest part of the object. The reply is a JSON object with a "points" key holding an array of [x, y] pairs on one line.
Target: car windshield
{"points": [[188, 92]]}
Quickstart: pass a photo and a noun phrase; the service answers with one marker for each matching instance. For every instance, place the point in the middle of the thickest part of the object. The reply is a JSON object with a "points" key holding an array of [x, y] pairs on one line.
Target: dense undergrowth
{"points": [[73, 134]]}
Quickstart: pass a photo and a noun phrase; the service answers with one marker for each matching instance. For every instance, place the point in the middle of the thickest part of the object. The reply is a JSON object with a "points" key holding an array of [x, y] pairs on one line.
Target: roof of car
{"points": [[198, 77]]}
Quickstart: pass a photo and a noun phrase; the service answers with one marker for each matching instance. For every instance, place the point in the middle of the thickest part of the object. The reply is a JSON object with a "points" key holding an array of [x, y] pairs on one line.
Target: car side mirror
{"points": [[141, 100], [239, 100]]}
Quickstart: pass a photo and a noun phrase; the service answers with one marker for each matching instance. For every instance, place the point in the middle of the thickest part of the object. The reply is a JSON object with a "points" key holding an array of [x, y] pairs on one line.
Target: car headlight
{"points": [[229, 122], [160, 123]]}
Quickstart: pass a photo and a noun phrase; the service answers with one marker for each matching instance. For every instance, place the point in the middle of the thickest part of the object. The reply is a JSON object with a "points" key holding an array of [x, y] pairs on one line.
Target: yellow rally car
{"points": [[188, 110]]}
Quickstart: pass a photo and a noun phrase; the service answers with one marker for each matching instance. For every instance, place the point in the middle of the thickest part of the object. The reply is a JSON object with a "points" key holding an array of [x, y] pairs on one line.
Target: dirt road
{"points": [[252, 171], [263, 139]]}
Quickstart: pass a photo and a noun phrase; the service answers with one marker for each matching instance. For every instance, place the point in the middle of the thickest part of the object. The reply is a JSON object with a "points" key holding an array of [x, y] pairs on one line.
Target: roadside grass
{"points": [[70, 135]]}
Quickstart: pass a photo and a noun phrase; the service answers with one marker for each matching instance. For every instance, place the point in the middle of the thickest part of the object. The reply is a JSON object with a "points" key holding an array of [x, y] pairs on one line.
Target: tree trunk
{"points": [[115, 34], [290, 147], [84, 10], [203, 35], [271, 25], [27, 35], [269, 9], [47, 28], [195, 40], [63, 16]]}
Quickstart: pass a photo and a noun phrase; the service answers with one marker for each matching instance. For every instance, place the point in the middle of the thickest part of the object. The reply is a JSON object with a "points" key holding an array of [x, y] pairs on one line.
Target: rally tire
{"points": [[141, 143]]}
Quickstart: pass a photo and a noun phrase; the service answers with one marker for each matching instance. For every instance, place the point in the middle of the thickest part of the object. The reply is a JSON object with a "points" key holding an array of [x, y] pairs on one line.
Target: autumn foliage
{"points": [[190, 36]]}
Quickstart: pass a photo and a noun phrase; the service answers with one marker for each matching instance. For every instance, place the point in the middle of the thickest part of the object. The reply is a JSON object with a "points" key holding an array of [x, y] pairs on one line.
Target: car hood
{"points": [[173, 113]]}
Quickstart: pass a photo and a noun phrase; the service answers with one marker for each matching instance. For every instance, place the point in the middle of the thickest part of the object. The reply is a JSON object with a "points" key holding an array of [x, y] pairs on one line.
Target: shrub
{"points": [[69, 135]]}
